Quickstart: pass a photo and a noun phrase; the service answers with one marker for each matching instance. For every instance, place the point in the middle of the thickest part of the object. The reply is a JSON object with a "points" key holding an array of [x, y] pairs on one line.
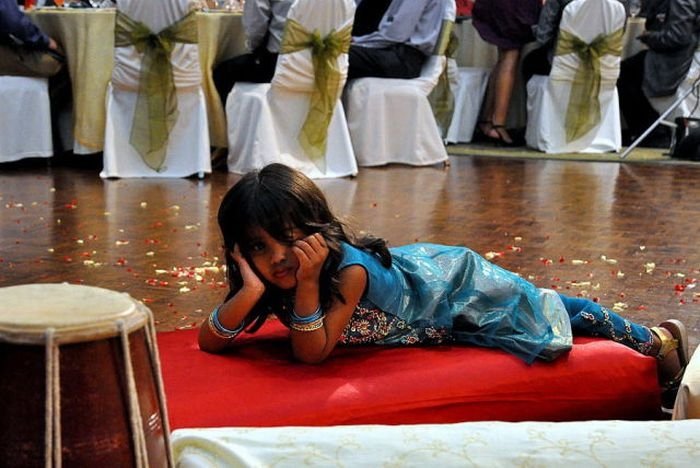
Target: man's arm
{"points": [[16, 24], [256, 20], [412, 22], [547, 26], [679, 27]]}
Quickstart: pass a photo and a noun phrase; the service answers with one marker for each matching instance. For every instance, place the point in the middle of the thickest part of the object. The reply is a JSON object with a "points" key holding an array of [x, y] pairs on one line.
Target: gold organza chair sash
{"points": [[583, 112], [313, 136], [441, 98], [156, 105]]}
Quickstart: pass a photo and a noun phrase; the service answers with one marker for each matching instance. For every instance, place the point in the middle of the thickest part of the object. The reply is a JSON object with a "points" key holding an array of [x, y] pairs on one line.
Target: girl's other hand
{"points": [[250, 278], [311, 252]]}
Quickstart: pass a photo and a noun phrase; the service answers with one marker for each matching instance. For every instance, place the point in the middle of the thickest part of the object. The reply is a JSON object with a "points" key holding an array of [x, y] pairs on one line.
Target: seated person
{"points": [[671, 35], [25, 50], [393, 38], [263, 21], [539, 60]]}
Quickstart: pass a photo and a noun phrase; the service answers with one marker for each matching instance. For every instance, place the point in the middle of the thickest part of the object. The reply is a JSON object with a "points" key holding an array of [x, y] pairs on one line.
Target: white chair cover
{"points": [[264, 120], [548, 96], [690, 106], [391, 120], [469, 95], [188, 149], [25, 118]]}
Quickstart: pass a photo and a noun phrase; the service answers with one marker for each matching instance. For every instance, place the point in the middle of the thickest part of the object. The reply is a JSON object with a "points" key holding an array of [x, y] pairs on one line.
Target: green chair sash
{"points": [[156, 105], [583, 111], [313, 136], [441, 98]]}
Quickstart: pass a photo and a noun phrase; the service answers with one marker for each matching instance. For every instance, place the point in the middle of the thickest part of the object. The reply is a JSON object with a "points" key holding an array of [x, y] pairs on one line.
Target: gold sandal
{"points": [[679, 343], [667, 344]]}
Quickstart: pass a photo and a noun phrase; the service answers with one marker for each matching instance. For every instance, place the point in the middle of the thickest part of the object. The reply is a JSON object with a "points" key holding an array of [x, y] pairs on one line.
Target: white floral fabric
{"points": [[532, 444]]}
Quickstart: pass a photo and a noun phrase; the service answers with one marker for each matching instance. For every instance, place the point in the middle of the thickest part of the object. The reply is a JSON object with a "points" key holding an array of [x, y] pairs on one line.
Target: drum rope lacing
{"points": [[135, 410], [52, 419], [52, 422]]}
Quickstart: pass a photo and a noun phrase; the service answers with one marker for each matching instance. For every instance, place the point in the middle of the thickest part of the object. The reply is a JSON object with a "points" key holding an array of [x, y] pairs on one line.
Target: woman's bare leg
{"points": [[504, 76]]}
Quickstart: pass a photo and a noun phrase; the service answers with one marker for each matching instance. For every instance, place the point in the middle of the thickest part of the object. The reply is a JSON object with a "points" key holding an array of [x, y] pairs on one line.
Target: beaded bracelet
{"points": [[219, 330], [318, 313], [306, 327]]}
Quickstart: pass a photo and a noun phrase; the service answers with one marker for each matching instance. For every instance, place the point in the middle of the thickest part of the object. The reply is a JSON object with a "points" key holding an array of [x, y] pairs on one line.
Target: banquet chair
{"points": [[298, 118], [576, 107], [156, 124], [391, 120], [469, 95], [25, 118]]}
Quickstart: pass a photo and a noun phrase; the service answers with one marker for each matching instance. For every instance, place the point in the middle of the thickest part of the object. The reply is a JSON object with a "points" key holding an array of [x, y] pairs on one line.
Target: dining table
{"points": [[87, 38]]}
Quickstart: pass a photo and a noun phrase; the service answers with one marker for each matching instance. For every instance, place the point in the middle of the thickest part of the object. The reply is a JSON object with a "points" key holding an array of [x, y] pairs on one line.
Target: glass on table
{"points": [[635, 7]]}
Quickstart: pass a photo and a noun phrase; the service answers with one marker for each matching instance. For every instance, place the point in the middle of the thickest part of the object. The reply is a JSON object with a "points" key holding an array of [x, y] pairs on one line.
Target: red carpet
{"points": [[258, 384]]}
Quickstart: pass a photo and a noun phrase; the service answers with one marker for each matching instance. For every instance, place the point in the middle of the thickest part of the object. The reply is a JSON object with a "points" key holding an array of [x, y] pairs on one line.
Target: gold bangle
{"points": [[307, 327]]}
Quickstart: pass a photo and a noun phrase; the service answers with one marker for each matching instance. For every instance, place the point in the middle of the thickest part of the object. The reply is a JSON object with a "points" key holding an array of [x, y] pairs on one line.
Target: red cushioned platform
{"points": [[259, 385]]}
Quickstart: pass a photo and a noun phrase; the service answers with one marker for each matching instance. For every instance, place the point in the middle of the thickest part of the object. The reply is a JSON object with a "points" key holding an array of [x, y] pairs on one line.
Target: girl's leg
{"points": [[590, 318], [667, 342]]}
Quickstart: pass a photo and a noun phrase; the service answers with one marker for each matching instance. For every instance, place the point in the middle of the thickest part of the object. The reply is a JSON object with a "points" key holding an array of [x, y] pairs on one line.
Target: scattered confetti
{"points": [[580, 284], [610, 261]]}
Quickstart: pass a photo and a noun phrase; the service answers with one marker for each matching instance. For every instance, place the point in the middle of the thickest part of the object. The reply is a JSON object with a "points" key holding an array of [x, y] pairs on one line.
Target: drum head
{"points": [[69, 312]]}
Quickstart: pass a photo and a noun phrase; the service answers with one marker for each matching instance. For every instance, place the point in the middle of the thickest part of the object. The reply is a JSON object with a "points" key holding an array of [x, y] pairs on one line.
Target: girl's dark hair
{"points": [[276, 199]]}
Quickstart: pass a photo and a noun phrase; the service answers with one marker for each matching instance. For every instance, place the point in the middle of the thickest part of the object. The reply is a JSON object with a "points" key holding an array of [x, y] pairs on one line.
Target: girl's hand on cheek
{"points": [[250, 279], [311, 252]]}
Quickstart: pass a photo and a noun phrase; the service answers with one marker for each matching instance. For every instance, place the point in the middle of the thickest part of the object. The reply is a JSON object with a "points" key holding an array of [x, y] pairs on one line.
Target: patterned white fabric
{"points": [[548, 96], [571, 444], [188, 146], [490, 443], [391, 120], [25, 118], [469, 95], [264, 120]]}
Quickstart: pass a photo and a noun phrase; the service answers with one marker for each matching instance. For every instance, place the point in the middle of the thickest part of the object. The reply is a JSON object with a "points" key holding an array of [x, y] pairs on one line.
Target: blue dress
{"points": [[434, 294]]}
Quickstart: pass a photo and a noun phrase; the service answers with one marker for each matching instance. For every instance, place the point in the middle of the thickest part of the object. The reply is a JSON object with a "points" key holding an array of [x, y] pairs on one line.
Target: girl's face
{"points": [[274, 260]]}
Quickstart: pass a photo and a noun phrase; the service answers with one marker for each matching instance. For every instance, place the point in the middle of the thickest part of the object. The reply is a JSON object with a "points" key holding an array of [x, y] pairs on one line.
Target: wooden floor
{"points": [[625, 234]]}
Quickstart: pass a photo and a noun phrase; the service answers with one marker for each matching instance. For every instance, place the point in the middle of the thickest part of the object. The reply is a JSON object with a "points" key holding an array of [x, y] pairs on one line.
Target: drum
{"points": [[81, 382]]}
